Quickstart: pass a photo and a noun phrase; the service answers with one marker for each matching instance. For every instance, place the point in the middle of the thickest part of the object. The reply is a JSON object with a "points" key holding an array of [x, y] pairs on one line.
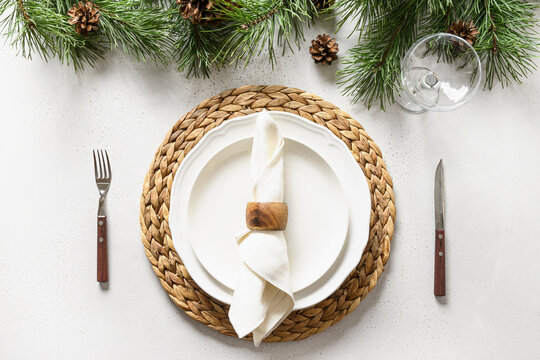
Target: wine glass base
{"points": [[440, 72], [406, 103]]}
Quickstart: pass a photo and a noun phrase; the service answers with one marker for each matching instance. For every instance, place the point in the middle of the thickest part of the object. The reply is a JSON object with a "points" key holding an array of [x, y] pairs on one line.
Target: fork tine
{"points": [[108, 165], [105, 170], [101, 167], [95, 165], [105, 174]]}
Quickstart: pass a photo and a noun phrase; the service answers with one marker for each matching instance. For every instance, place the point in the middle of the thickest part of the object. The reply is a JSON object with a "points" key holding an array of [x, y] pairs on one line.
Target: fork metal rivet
{"points": [[100, 239], [440, 253], [440, 236], [100, 222]]}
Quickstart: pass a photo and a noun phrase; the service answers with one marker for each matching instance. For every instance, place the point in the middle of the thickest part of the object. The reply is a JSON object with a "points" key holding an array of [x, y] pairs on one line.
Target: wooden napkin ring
{"points": [[268, 216]]}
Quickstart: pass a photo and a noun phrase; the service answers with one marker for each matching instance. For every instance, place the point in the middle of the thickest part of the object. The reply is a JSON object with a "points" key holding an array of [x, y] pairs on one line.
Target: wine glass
{"points": [[440, 72]]}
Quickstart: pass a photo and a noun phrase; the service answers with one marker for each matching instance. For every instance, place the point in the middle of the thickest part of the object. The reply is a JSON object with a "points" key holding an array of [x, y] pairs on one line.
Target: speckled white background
{"points": [[52, 307]]}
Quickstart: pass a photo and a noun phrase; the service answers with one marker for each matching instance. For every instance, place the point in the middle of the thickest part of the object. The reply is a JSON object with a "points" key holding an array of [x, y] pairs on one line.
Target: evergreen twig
{"points": [[195, 47], [155, 30], [42, 27], [255, 25], [507, 41]]}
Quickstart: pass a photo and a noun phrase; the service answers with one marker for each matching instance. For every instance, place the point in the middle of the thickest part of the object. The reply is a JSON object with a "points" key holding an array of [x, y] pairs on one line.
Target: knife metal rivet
{"points": [[440, 236], [100, 239], [440, 253], [100, 222]]}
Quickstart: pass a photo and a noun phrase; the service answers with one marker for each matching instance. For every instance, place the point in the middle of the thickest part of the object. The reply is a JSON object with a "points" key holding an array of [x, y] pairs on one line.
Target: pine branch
{"points": [[140, 32], [155, 30], [36, 29], [508, 39], [259, 20], [43, 28], [390, 43], [438, 17], [372, 67], [195, 47], [364, 13], [253, 26], [441, 5], [24, 14], [62, 6]]}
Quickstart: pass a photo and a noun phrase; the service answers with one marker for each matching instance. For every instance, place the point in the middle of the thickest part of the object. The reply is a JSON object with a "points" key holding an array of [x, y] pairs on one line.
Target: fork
{"points": [[102, 170]]}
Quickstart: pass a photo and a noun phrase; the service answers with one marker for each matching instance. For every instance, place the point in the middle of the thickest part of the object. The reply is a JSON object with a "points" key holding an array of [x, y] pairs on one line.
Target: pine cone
{"points": [[85, 17], [198, 11], [465, 30], [324, 49], [321, 5]]}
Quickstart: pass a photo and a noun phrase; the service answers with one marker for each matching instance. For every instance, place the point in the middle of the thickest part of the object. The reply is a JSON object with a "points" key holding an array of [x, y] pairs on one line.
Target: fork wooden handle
{"points": [[102, 259]]}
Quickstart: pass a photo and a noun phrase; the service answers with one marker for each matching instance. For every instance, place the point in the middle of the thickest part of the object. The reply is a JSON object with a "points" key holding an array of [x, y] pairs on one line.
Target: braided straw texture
{"points": [[155, 201]]}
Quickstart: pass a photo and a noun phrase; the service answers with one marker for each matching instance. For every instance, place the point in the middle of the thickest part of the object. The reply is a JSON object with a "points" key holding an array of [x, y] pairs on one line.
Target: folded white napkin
{"points": [[263, 295]]}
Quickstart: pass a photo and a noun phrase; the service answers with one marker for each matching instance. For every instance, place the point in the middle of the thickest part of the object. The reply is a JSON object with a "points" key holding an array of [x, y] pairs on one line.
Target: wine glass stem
{"points": [[429, 80]]}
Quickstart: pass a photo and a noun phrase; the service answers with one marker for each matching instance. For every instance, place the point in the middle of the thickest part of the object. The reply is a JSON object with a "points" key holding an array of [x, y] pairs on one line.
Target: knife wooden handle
{"points": [[102, 258], [440, 271]]}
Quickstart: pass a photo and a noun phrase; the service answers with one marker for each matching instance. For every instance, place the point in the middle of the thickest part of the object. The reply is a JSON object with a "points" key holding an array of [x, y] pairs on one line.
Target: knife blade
{"points": [[440, 271]]}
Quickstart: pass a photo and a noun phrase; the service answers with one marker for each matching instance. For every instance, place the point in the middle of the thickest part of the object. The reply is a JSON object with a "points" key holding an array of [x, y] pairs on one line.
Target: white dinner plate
{"points": [[213, 184]]}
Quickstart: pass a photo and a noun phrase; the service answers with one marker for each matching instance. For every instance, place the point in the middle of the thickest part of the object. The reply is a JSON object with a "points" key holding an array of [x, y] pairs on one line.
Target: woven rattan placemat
{"points": [[155, 201]]}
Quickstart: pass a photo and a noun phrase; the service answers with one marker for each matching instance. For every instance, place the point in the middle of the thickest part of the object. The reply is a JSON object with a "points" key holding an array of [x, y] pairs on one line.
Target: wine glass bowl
{"points": [[440, 72]]}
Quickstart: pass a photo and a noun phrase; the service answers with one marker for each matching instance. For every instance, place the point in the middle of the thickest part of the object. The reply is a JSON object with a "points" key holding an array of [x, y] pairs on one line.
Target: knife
{"points": [[440, 272]]}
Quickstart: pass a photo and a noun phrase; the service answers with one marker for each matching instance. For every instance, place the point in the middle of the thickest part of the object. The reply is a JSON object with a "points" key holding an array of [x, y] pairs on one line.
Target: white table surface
{"points": [[51, 305]]}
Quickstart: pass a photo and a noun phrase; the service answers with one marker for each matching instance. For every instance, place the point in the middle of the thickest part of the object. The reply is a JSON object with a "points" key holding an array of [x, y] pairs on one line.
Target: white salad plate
{"points": [[216, 210], [326, 192]]}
